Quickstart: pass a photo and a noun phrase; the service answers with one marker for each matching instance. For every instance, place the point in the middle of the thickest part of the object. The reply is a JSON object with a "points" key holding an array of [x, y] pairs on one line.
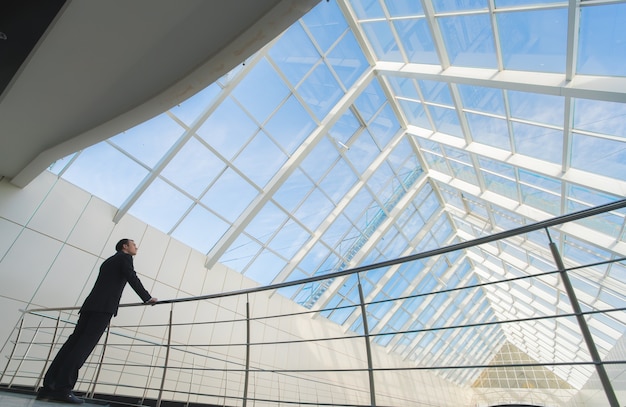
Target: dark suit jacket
{"points": [[106, 293]]}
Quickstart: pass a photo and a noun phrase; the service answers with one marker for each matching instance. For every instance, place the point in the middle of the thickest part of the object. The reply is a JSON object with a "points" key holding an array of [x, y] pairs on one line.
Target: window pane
{"points": [[228, 129], [602, 49], [320, 91], [200, 229], [149, 141], [230, 195], [260, 160], [539, 142], [294, 54], [193, 168], [469, 40], [291, 125], [416, 40], [161, 206], [106, 173], [261, 91], [599, 156], [489, 130], [534, 40]]}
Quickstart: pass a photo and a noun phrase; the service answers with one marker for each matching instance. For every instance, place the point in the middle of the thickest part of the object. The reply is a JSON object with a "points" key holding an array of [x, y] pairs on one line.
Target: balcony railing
{"points": [[239, 348]]}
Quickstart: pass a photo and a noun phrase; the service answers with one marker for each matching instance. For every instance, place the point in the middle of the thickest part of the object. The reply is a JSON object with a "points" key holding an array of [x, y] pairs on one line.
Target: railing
{"points": [[213, 349]]}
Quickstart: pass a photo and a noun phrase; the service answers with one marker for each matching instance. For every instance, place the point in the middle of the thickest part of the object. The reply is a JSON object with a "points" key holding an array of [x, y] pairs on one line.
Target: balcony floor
{"points": [[15, 399]]}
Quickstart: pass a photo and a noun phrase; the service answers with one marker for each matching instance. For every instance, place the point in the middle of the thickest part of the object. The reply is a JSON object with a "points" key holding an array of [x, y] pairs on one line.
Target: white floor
{"points": [[10, 399]]}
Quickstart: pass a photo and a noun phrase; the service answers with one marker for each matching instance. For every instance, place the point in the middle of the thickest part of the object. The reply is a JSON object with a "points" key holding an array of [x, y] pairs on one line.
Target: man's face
{"points": [[130, 248]]}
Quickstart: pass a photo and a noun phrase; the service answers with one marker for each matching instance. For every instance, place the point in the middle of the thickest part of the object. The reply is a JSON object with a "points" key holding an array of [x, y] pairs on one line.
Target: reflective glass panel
{"points": [[149, 207], [533, 40], [469, 40], [416, 40], [200, 229], [93, 170], [261, 91], [149, 141], [602, 49]]}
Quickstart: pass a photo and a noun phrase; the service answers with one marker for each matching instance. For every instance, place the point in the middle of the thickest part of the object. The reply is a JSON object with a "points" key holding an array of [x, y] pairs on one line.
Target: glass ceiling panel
{"points": [[415, 38], [513, 3], [400, 8], [240, 253], [149, 207], [229, 195], [191, 109], [446, 120], [293, 190], [602, 50], [370, 101], [499, 168], [261, 91], [338, 181], [320, 160], [264, 225], [326, 24], [193, 179], [347, 60], [260, 171], [535, 107], [314, 209], [338, 234], [311, 200], [384, 126], [436, 92], [443, 6], [193, 228], [151, 140], [503, 186], [601, 117], [538, 142], [321, 91], [294, 54], [533, 40], [383, 41], [290, 126], [469, 39], [228, 129], [599, 156], [489, 130], [415, 114], [405, 88], [289, 239], [265, 267], [91, 170], [362, 152], [487, 100], [367, 9]]}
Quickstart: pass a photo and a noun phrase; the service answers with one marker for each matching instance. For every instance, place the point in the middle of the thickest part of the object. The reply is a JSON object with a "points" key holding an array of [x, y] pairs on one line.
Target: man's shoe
{"points": [[69, 398]]}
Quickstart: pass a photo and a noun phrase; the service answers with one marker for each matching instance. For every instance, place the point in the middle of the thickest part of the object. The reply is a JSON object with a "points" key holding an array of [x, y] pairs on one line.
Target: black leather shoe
{"points": [[69, 398]]}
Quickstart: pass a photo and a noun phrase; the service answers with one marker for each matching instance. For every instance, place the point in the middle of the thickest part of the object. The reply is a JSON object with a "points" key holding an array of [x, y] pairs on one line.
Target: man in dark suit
{"points": [[94, 317]]}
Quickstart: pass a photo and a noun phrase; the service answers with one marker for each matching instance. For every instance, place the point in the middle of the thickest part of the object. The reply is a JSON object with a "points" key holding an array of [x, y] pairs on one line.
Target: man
{"points": [[94, 317]]}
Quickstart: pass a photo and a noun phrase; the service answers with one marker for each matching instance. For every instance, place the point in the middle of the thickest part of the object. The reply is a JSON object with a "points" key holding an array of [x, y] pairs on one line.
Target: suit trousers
{"points": [[63, 371]]}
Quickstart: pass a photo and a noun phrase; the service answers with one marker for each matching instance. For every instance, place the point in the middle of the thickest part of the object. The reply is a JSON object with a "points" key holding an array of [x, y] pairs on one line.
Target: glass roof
{"points": [[374, 129]]}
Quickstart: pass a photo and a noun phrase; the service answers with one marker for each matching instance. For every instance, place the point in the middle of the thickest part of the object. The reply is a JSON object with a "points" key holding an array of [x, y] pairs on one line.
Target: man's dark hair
{"points": [[120, 245]]}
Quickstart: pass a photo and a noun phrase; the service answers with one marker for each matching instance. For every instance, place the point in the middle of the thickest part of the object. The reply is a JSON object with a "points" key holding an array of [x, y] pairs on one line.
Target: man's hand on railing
{"points": [[152, 301]]}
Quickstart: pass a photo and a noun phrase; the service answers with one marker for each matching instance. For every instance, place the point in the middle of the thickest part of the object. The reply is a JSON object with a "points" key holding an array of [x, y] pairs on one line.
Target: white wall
{"points": [[53, 238]]}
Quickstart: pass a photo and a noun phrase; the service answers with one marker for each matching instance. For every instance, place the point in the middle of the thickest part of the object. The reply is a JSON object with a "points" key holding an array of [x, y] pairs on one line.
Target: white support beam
{"points": [[611, 89]]}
